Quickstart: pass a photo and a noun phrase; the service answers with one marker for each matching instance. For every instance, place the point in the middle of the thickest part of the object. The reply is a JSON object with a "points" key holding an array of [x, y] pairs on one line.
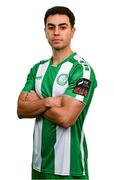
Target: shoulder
{"points": [[44, 61], [81, 66], [41, 62], [33, 70], [81, 63]]}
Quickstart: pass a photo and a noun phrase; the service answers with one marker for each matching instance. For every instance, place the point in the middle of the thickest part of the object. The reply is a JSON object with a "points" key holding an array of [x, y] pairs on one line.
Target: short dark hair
{"points": [[60, 10]]}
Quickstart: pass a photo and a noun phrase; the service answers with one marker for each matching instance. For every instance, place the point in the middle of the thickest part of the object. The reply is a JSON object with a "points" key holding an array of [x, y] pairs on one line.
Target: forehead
{"points": [[58, 19]]}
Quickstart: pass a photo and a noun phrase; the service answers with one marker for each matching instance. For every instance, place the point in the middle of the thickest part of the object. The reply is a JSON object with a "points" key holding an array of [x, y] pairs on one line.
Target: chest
{"points": [[52, 81]]}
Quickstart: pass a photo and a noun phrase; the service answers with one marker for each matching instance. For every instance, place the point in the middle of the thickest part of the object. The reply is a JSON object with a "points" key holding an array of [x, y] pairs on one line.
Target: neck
{"points": [[60, 55]]}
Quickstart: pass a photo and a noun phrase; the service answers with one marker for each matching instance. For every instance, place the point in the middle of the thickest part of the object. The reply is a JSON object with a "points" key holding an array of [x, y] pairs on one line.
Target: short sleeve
{"points": [[82, 83], [30, 82]]}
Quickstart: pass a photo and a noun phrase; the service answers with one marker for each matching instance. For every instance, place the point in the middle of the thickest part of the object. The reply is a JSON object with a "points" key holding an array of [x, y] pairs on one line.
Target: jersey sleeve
{"points": [[82, 83], [30, 82]]}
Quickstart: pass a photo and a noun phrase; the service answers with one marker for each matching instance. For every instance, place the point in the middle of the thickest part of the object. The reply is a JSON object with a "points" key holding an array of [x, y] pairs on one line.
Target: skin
{"points": [[65, 110], [59, 33]]}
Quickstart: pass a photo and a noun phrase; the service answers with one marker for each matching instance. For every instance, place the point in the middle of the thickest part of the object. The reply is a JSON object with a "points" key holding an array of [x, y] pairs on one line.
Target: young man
{"points": [[58, 93]]}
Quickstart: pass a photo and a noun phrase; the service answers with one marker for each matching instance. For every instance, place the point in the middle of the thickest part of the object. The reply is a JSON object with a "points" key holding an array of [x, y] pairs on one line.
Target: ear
{"points": [[73, 31], [45, 32]]}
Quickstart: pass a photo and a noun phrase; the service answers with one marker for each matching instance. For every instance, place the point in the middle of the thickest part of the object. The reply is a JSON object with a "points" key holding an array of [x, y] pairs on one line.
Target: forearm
{"points": [[31, 109], [57, 115], [30, 104], [67, 114]]}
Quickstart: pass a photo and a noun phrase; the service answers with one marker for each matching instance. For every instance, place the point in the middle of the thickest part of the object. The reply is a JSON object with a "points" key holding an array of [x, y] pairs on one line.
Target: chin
{"points": [[58, 47]]}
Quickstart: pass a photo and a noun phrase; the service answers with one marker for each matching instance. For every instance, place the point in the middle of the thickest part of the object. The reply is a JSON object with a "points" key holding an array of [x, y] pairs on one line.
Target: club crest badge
{"points": [[62, 79]]}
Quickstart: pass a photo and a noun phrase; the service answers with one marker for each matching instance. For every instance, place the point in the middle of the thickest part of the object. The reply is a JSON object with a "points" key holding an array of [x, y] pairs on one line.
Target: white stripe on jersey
{"points": [[86, 74], [63, 138], [62, 151], [38, 124], [37, 144], [40, 73], [57, 89], [82, 151]]}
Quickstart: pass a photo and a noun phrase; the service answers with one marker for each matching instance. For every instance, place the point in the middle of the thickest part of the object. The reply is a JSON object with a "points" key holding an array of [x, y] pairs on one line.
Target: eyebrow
{"points": [[61, 24]]}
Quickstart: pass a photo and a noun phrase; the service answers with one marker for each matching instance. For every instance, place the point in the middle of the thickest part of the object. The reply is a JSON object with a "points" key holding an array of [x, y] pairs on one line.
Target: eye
{"points": [[50, 27], [63, 27]]}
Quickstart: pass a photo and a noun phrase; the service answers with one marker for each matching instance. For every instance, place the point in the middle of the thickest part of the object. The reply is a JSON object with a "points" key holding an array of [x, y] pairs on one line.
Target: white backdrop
{"points": [[22, 44]]}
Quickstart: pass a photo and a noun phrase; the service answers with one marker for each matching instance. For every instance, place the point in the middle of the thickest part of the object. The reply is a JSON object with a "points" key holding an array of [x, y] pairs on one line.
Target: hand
{"points": [[32, 96], [53, 101]]}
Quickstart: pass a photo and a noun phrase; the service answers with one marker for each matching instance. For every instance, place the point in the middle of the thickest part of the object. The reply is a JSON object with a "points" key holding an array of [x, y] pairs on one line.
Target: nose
{"points": [[56, 31]]}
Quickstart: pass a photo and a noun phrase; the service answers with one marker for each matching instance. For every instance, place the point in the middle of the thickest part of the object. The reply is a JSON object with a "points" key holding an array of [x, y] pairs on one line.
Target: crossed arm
{"points": [[61, 110]]}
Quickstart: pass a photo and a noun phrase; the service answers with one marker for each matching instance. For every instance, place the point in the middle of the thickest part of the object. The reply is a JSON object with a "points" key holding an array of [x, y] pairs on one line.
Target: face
{"points": [[59, 31]]}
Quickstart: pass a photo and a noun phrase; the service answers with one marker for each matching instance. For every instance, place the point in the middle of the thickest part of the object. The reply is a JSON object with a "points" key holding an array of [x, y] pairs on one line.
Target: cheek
{"points": [[67, 36], [48, 35], [72, 34]]}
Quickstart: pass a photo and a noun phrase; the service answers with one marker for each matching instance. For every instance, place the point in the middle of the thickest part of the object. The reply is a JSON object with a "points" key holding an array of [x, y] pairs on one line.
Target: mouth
{"points": [[56, 40]]}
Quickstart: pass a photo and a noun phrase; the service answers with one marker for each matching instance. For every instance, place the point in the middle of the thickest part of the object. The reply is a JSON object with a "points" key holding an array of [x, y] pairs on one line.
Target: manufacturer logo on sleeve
{"points": [[62, 79]]}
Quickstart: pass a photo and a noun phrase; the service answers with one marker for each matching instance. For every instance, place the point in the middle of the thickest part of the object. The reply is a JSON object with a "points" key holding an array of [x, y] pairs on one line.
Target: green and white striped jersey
{"points": [[59, 150]]}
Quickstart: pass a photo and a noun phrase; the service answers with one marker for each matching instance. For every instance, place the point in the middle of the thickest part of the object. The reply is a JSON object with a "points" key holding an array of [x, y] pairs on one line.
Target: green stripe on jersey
{"points": [[48, 141]]}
